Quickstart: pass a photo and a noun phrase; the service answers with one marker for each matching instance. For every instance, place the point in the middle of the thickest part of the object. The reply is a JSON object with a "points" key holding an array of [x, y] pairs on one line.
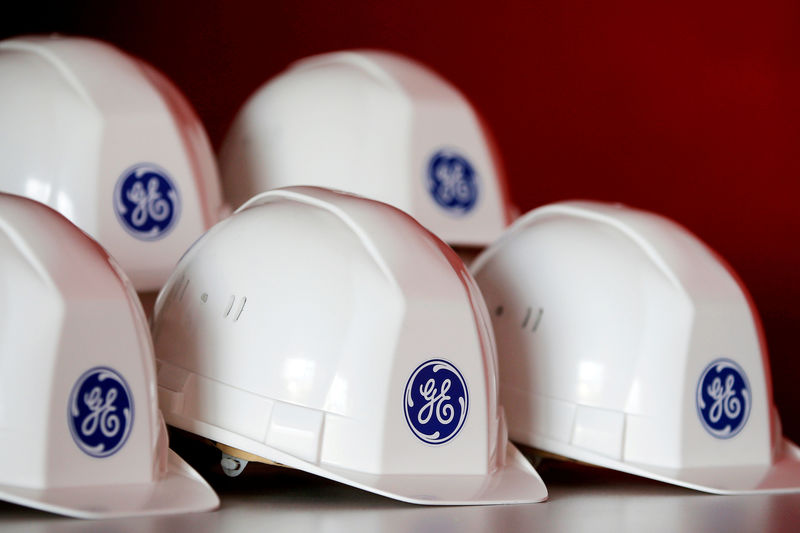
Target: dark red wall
{"points": [[689, 109]]}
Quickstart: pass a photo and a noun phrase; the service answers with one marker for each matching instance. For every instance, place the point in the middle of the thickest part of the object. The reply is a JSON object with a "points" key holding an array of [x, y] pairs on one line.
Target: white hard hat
{"points": [[376, 124], [111, 144], [625, 342], [333, 334], [81, 432]]}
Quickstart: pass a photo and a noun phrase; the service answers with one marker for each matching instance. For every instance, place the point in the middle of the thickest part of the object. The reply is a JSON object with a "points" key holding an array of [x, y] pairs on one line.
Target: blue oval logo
{"points": [[436, 401], [100, 412], [146, 202], [723, 398], [452, 182]]}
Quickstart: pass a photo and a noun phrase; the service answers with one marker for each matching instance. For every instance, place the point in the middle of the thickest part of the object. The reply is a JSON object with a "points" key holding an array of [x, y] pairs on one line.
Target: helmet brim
{"points": [[514, 481], [181, 490], [781, 476]]}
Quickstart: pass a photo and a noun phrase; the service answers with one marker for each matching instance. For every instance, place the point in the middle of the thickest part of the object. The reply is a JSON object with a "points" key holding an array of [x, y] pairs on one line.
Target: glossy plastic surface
{"points": [[623, 340], [76, 117], [69, 315], [376, 124], [293, 331]]}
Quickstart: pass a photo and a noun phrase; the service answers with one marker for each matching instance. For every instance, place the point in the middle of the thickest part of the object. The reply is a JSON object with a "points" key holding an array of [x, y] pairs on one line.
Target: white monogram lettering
{"points": [[436, 403], [725, 401], [101, 413], [149, 204], [453, 183]]}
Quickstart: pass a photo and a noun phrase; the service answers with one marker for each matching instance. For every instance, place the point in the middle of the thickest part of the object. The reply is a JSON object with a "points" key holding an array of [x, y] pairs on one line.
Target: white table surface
{"points": [[582, 499]]}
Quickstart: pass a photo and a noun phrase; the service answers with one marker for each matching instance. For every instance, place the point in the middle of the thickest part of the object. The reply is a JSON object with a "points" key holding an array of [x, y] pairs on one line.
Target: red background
{"points": [[690, 110]]}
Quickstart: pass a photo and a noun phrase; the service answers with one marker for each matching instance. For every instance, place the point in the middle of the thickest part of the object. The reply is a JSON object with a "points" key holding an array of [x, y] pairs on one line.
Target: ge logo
{"points": [[100, 412], [723, 398], [146, 202], [452, 182], [436, 401]]}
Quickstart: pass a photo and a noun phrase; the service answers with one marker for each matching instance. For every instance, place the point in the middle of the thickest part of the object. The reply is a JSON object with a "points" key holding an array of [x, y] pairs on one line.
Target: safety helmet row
{"points": [[86, 105], [114, 146], [315, 329]]}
